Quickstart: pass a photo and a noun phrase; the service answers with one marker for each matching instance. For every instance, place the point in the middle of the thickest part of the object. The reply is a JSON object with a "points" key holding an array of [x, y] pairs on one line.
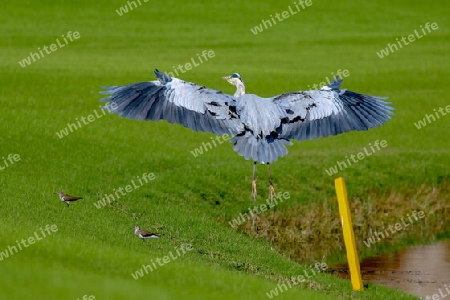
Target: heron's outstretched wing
{"points": [[175, 101], [330, 111]]}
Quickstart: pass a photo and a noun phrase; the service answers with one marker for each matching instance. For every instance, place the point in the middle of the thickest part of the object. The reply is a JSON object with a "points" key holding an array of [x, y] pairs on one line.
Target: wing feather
{"points": [[175, 101], [330, 111]]}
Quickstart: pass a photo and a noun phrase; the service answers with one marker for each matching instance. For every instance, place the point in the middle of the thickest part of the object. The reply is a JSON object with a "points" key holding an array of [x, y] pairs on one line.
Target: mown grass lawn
{"points": [[94, 251]]}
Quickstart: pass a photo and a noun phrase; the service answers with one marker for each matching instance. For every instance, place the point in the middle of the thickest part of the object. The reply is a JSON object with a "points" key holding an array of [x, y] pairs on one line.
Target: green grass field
{"points": [[192, 199]]}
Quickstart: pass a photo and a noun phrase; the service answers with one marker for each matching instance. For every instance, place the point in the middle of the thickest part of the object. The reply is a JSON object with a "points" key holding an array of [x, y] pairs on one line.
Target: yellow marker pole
{"points": [[349, 235]]}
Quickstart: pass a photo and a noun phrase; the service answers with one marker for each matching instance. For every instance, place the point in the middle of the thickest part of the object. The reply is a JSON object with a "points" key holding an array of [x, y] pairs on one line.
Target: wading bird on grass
{"points": [[262, 127], [67, 198], [142, 234]]}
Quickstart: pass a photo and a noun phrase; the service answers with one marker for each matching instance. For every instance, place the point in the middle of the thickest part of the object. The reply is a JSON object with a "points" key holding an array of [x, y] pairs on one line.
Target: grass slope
{"points": [[94, 251]]}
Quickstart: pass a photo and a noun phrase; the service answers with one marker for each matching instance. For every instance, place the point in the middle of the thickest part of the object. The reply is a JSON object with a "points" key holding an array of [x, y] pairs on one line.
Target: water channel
{"points": [[420, 270]]}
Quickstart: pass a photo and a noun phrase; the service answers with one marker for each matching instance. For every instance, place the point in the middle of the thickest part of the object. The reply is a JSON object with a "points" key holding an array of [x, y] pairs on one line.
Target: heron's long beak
{"points": [[227, 78]]}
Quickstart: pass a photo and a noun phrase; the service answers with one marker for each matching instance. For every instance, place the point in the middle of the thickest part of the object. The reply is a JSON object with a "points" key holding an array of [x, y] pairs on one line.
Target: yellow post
{"points": [[349, 235]]}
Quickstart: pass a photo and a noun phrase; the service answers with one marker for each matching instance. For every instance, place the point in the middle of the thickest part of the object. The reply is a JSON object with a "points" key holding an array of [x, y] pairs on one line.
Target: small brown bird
{"points": [[67, 198], [142, 234]]}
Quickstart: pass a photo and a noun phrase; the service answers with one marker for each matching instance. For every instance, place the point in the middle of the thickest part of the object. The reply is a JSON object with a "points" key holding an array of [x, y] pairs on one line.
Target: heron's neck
{"points": [[240, 90]]}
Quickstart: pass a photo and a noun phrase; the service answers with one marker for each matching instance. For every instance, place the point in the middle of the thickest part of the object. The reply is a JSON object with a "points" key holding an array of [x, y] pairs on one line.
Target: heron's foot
{"points": [[254, 189], [271, 192]]}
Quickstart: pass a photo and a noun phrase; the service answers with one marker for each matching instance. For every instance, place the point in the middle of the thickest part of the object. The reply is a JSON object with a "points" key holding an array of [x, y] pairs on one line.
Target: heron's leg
{"points": [[271, 188], [254, 182]]}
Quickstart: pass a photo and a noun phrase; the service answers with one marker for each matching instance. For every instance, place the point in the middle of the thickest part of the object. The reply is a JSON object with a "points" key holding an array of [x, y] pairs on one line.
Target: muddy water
{"points": [[420, 270]]}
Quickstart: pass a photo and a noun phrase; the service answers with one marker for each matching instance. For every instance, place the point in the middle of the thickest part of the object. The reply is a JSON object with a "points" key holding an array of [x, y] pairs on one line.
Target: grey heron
{"points": [[261, 127]]}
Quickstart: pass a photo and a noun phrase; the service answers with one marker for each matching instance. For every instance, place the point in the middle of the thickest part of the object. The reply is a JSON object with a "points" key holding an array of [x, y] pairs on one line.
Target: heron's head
{"points": [[234, 79]]}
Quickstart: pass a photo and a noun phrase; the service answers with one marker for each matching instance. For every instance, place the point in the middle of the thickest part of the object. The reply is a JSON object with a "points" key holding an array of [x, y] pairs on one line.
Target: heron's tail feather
{"points": [[263, 150]]}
